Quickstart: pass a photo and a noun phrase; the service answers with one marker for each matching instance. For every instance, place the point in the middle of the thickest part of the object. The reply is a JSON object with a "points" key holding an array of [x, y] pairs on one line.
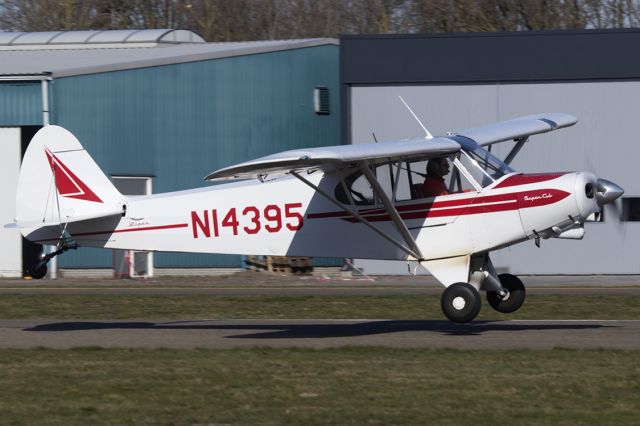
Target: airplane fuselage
{"points": [[285, 217]]}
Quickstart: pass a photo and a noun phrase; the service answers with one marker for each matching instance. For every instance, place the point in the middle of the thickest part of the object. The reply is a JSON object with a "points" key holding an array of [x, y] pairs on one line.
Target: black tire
{"points": [[460, 302], [516, 297], [38, 272]]}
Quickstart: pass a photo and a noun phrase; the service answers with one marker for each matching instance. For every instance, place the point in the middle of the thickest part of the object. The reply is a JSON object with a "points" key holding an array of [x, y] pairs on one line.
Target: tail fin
{"points": [[60, 183]]}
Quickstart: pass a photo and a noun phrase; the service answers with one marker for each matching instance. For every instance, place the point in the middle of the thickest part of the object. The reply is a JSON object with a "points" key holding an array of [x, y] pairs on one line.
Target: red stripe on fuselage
{"points": [[410, 207], [147, 228], [524, 179], [460, 207]]}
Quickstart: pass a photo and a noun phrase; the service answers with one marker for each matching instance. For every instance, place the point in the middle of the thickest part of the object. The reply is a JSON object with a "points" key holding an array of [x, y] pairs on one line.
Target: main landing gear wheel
{"points": [[461, 302], [514, 298]]}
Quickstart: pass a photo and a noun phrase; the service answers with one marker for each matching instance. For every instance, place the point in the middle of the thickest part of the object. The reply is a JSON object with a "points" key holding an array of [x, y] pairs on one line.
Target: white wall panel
{"points": [[605, 140], [10, 239]]}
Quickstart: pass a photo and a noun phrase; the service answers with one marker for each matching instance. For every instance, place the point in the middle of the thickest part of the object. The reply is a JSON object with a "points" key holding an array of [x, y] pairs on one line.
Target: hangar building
{"points": [[460, 81], [158, 110]]}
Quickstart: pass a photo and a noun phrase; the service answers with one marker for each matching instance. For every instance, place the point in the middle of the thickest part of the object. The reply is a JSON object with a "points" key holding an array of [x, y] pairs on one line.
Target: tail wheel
{"points": [[38, 271], [513, 300], [460, 302]]}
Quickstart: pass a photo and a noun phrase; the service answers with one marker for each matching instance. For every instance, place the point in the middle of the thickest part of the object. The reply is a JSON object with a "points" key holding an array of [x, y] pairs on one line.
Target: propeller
{"points": [[606, 194]]}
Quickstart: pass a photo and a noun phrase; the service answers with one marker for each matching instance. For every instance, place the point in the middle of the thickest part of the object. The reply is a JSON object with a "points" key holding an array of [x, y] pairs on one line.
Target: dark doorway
{"points": [[31, 252]]}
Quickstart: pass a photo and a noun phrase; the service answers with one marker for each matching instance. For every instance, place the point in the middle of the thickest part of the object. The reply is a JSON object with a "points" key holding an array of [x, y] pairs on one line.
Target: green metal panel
{"points": [[20, 103], [180, 122]]}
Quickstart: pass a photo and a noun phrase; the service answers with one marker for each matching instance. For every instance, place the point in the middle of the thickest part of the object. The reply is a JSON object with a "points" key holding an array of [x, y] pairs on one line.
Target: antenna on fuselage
{"points": [[427, 134]]}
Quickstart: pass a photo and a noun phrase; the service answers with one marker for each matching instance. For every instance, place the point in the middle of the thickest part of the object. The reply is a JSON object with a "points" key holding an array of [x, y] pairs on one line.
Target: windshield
{"points": [[470, 169], [484, 166]]}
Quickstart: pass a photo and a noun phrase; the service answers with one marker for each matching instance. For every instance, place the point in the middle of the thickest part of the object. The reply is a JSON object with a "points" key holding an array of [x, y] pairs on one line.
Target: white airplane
{"points": [[351, 201]]}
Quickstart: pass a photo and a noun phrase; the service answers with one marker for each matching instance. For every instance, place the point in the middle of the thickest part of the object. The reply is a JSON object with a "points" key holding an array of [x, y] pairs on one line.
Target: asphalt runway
{"points": [[320, 334]]}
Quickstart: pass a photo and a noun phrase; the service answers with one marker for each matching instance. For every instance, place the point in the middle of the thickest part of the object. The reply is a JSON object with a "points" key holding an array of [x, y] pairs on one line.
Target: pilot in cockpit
{"points": [[434, 185]]}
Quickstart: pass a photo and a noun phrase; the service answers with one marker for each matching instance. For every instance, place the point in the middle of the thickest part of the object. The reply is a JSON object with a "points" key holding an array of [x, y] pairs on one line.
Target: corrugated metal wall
{"points": [[602, 141], [20, 104], [179, 122]]}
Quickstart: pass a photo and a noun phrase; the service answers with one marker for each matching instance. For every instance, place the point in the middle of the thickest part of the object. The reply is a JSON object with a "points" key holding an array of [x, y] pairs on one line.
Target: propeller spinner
{"points": [[607, 191]]}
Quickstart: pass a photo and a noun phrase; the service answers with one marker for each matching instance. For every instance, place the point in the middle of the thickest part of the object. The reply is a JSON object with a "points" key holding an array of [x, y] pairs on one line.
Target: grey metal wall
{"points": [[179, 122], [604, 140]]}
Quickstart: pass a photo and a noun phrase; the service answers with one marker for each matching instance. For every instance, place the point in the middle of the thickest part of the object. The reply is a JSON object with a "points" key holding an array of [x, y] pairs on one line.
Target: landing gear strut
{"points": [[39, 269]]}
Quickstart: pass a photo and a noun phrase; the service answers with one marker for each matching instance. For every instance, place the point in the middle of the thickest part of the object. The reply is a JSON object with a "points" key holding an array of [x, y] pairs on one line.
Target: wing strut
{"points": [[391, 210], [515, 150], [357, 216]]}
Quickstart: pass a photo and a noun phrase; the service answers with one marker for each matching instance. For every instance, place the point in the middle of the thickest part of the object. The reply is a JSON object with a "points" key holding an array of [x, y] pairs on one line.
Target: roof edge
{"points": [[195, 57], [25, 77], [594, 31]]}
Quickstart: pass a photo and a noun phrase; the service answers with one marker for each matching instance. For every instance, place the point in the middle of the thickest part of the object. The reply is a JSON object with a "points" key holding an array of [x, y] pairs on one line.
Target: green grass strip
{"points": [[302, 307], [348, 386]]}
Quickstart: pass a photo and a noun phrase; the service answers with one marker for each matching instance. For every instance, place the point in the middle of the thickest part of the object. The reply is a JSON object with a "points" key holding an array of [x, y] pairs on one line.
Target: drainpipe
{"points": [[45, 101], [53, 263]]}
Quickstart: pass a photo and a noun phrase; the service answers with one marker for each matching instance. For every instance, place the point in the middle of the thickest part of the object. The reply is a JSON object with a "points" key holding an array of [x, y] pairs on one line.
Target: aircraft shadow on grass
{"points": [[320, 330]]}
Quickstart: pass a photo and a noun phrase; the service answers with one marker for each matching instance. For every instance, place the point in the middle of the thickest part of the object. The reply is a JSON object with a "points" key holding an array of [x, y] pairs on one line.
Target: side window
{"points": [[361, 191], [355, 189], [412, 175], [415, 175], [404, 180], [403, 177]]}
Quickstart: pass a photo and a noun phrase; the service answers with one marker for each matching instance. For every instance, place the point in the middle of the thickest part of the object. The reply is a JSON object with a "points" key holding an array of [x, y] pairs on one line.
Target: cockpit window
{"points": [[468, 170], [355, 189], [403, 180]]}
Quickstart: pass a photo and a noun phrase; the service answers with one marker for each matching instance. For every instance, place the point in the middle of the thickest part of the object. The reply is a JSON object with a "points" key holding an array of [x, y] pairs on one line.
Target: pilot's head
{"points": [[438, 167]]}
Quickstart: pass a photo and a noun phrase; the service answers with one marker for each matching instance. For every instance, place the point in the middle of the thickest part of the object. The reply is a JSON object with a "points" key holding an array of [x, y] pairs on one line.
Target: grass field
{"points": [[345, 386], [301, 307], [303, 387]]}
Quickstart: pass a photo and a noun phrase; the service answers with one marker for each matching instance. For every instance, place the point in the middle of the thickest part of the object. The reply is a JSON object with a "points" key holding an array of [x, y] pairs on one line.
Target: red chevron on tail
{"points": [[68, 184]]}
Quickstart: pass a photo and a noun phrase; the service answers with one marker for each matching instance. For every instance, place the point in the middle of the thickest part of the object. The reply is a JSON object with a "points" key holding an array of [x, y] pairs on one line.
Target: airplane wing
{"points": [[518, 128], [345, 155], [336, 156]]}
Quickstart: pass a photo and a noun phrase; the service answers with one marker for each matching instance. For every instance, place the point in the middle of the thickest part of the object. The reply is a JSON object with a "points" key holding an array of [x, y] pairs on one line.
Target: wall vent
{"points": [[631, 209], [321, 100]]}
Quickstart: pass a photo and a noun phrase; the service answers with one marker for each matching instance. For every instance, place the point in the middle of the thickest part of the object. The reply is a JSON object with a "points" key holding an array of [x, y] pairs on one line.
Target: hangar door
{"points": [[603, 141], [10, 239]]}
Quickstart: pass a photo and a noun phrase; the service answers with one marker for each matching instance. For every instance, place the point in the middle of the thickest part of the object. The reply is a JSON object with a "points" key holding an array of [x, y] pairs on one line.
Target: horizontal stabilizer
{"points": [[33, 224]]}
